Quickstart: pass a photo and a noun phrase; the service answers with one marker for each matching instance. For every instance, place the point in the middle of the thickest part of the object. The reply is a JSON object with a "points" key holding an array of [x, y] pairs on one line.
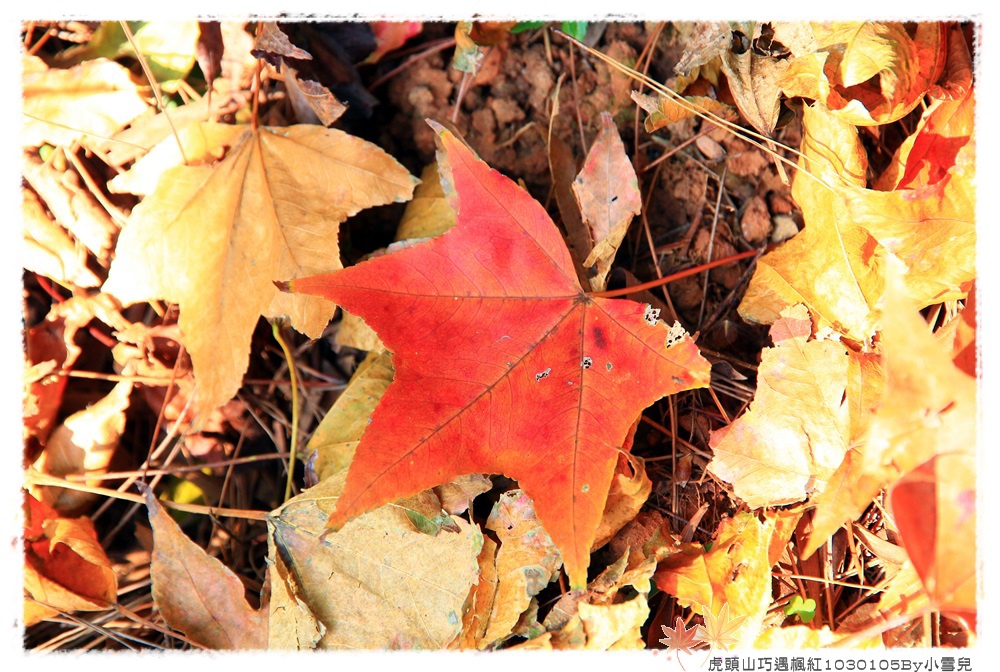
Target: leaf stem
{"points": [[294, 443], [675, 276]]}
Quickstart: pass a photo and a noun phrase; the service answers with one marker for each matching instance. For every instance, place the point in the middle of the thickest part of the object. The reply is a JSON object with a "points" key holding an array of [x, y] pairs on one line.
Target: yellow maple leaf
{"points": [[213, 238]]}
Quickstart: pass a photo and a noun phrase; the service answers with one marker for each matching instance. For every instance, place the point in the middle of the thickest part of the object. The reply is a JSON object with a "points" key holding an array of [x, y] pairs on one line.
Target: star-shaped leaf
{"points": [[679, 638], [720, 631], [503, 364], [213, 238]]}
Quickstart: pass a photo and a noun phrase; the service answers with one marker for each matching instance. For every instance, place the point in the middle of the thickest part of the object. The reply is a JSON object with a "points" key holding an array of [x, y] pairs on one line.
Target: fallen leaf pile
{"points": [[484, 448]]}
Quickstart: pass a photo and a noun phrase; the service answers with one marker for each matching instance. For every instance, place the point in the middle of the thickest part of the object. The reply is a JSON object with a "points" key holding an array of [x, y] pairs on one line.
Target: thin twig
{"points": [[33, 477], [154, 85]]}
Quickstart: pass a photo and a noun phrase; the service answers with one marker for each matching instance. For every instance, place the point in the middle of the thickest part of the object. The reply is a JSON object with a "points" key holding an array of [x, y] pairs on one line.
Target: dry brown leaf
{"points": [[479, 604], [665, 110], [297, 629], [527, 561], [95, 98], [313, 103], [456, 497], [796, 432], [607, 190], [272, 43], [215, 238], [197, 594], [754, 78], [562, 166], [65, 567], [83, 444], [377, 583]]}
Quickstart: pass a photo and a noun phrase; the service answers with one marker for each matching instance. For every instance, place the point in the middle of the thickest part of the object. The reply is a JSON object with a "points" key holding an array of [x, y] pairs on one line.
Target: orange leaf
{"points": [[503, 364], [65, 567], [736, 572], [868, 73]]}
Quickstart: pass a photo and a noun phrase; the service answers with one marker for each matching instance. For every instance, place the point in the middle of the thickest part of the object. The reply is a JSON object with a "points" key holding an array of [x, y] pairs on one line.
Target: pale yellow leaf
{"points": [[795, 434], [377, 583], [60, 106], [214, 239]]}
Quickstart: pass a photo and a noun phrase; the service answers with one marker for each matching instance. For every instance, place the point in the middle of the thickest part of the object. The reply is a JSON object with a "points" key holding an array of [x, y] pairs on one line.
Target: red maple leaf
{"points": [[679, 638], [503, 364]]}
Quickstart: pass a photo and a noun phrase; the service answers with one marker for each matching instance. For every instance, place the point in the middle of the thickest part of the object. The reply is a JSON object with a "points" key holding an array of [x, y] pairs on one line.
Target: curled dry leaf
{"points": [[754, 76], [665, 110], [272, 44], [506, 295], [73, 207], [214, 238], [83, 444], [868, 72], [197, 594], [65, 567], [479, 604], [313, 103], [526, 562], [49, 250], [630, 489]]}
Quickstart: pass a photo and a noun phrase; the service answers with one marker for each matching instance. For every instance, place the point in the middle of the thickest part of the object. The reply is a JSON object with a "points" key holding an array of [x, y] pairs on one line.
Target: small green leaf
{"points": [[432, 526], [575, 29], [526, 25], [804, 609]]}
